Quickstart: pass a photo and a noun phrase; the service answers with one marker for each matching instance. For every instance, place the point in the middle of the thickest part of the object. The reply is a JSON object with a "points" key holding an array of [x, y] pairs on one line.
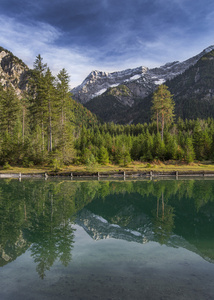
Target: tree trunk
{"points": [[157, 123], [43, 137], [23, 125], [162, 126], [50, 128], [62, 118]]}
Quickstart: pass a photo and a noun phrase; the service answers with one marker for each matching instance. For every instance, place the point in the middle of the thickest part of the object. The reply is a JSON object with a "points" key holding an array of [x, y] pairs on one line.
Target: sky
{"points": [[105, 35]]}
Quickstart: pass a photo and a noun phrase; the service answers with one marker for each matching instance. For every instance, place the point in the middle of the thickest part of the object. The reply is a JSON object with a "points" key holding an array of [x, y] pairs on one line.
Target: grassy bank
{"points": [[132, 167]]}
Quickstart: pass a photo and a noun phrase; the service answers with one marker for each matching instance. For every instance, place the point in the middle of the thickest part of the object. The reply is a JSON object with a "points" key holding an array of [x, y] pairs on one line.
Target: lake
{"points": [[103, 239]]}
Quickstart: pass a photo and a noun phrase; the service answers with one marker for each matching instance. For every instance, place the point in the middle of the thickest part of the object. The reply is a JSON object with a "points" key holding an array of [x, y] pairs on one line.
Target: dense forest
{"points": [[185, 141], [47, 127]]}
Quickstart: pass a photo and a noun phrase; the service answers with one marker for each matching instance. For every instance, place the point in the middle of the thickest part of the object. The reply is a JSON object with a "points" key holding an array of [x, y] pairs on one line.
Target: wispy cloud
{"points": [[28, 40], [108, 35]]}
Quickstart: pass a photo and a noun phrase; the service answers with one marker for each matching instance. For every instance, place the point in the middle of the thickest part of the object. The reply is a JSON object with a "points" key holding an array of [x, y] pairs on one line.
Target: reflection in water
{"points": [[38, 215], [50, 232], [163, 220], [50, 243]]}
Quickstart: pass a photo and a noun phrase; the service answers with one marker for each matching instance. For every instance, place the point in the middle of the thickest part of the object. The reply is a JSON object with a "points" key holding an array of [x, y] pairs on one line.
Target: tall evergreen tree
{"points": [[64, 96], [163, 107], [189, 150], [103, 157], [44, 104], [50, 101], [38, 106], [10, 129], [65, 129], [9, 110]]}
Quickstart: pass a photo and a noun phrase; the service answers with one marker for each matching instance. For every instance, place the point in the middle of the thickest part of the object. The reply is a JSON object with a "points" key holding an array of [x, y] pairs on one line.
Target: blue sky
{"points": [[106, 35]]}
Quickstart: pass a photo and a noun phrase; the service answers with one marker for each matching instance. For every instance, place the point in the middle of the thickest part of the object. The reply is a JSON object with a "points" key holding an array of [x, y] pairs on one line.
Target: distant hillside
{"points": [[108, 107], [194, 90], [81, 116]]}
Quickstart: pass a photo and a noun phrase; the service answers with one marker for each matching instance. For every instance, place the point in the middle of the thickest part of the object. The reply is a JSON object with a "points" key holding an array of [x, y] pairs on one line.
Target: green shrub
{"points": [[6, 166]]}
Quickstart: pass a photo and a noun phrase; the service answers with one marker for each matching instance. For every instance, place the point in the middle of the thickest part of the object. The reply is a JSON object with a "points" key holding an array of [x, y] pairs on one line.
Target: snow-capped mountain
{"points": [[141, 81], [97, 82]]}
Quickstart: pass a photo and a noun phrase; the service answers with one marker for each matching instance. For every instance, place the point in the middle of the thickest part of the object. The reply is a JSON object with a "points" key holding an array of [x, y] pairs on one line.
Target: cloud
{"points": [[108, 35], [26, 41], [22, 37]]}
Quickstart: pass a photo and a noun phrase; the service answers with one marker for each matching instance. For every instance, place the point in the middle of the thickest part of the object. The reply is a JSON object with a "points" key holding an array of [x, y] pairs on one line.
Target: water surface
{"points": [[64, 239]]}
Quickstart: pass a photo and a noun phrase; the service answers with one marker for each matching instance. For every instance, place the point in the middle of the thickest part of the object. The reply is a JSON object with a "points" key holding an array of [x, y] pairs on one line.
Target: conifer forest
{"points": [[47, 127]]}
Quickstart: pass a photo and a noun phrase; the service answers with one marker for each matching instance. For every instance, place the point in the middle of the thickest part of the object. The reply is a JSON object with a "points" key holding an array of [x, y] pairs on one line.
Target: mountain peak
{"points": [[97, 82]]}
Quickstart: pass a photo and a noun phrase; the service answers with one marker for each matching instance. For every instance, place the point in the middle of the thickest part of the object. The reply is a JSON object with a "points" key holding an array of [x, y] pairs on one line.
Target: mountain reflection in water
{"points": [[39, 216]]}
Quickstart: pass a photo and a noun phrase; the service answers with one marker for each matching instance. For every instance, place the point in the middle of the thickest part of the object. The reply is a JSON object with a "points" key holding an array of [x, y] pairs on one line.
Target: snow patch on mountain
{"points": [[160, 81], [135, 77], [99, 93], [98, 82]]}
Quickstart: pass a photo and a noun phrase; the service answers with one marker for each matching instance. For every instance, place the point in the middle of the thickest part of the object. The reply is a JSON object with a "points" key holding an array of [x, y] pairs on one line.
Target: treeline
{"points": [[187, 141]]}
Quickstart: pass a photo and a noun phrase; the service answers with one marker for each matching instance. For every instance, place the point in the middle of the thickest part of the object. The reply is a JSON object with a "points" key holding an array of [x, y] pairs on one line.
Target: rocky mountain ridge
{"points": [[13, 71], [97, 82], [192, 91], [140, 81]]}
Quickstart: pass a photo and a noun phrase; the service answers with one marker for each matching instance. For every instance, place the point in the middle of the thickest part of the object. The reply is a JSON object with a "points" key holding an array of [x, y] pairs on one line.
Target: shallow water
{"points": [[106, 239]]}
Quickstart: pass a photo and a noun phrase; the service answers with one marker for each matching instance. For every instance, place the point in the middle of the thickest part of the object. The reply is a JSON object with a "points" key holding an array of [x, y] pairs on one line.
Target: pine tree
{"points": [[198, 140], [38, 107], [171, 146], [103, 157], [10, 127], [163, 107], [65, 129], [64, 96], [148, 147], [159, 147], [25, 116], [9, 110], [44, 105], [189, 150], [50, 101]]}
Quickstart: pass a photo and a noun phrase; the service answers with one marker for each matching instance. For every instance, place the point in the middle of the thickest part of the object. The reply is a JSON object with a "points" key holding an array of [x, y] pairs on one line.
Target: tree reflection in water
{"points": [[43, 213], [39, 214], [163, 220]]}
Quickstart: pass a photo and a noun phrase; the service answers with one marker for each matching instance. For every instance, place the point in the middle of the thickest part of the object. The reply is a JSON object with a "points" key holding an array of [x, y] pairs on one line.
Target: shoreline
{"points": [[133, 170], [109, 174]]}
